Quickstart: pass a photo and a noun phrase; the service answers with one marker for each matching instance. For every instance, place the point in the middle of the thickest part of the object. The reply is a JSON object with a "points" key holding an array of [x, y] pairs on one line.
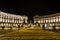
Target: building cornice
{"points": [[51, 15]]}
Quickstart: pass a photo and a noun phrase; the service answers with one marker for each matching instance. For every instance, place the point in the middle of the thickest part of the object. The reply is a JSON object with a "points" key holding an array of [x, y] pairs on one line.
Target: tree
{"points": [[24, 21], [18, 27], [43, 27], [3, 27], [53, 27], [39, 25]]}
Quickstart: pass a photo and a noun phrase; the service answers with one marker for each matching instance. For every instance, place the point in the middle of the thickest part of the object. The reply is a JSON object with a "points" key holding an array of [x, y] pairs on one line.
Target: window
{"points": [[45, 25], [26, 21], [41, 21], [16, 25], [21, 22], [15, 21], [49, 19], [59, 18], [5, 20], [52, 19], [34, 21], [1, 24], [4, 24], [0, 20], [12, 20], [51, 24], [38, 21], [44, 20], [8, 20], [7, 24], [56, 19]]}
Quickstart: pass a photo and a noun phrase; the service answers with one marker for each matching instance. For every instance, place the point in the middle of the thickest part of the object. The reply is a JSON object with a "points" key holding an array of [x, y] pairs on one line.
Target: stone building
{"points": [[7, 19], [49, 21]]}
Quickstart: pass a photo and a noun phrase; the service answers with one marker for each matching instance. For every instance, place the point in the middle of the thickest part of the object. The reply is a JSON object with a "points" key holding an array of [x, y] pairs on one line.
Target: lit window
{"points": [[16, 25], [50, 24], [59, 18], [25, 21], [38, 21], [21, 21], [53, 24], [8, 20], [45, 25], [41, 21], [1, 24], [34, 21], [4, 24], [50, 27], [12, 20], [56, 19], [46, 20], [49, 19], [0, 19], [52, 20], [9, 24], [15, 21], [5, 20]]}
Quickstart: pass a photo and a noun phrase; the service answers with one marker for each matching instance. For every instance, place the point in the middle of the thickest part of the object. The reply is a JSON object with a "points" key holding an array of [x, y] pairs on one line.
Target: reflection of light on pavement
{"points": [[9, 28]]}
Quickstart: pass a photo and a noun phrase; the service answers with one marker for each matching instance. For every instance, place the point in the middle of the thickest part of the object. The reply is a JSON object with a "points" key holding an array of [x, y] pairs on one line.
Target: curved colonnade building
{"points": [[49, 21], [7, 19]]}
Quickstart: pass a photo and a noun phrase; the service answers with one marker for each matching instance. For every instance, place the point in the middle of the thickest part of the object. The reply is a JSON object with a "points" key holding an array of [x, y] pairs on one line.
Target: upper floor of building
{"points": [[7, 17], [47, 18]]}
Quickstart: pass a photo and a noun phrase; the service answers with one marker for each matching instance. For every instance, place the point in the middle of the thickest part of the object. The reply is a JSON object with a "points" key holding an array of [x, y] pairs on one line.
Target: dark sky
{"points": [[30, 8]]}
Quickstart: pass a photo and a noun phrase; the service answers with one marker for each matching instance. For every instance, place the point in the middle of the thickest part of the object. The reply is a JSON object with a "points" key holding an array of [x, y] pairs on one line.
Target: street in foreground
{"points": [[26, 34]]}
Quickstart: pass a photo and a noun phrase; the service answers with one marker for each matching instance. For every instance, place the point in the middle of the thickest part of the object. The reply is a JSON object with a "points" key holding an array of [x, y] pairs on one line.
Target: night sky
{"points": [[30, 8]]}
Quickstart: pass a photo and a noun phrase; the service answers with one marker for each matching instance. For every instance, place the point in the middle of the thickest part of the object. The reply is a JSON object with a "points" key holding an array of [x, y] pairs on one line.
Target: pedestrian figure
{"points": [[18, 27], [53, 27], [43, 27]]}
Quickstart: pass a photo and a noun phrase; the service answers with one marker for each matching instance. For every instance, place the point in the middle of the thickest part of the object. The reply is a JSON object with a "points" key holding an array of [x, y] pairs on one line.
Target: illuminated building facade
{"points": [[48, 21], [7, 19]]}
